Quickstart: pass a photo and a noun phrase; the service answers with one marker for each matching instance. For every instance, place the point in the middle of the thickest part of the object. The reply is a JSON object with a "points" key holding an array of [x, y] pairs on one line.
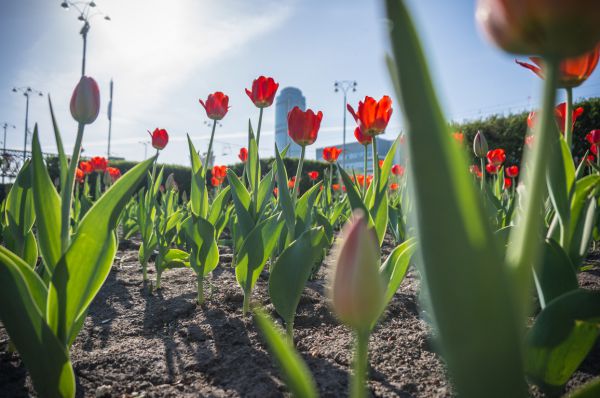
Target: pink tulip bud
{"points": [[85, 101], [356, 287]]}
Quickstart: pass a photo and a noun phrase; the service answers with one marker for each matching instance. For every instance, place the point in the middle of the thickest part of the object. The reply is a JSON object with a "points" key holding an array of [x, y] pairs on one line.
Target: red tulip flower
{"points": [[507, 183], [275, 191], [331, 154], [476, 171], [573, 71], [263, 91], [99, 163], [113, 173], [243, 155], [86, 167], [372, 116], [335, 187], [365, 139], [216, 105], [492, 169], [459, 137], [561, 114], [496, 157], [313, 175], [79, 175], [594, 149], [219, 172], [85, 101], [397, 170], [393, 186], [590, 158], [160, 138], [593, 137], [512, 171], [292, 182], [215, 182], [303, 126]]}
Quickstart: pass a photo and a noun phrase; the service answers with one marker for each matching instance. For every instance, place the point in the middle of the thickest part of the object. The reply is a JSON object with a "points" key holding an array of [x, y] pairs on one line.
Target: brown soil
{"points": [[164, 345]]}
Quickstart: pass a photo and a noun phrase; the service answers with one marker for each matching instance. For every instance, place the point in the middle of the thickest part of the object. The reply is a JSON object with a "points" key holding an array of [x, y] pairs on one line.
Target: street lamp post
{"points": [[344, 86], [110, 105], [145, 144], [5, 126], [27, 92], [87, 10]]}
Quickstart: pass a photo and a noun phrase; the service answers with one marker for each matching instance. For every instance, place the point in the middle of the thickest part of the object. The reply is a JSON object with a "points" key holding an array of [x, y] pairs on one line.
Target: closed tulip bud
{"points": [[480, 145], [356, 287], [171, 184], [85, 101]]}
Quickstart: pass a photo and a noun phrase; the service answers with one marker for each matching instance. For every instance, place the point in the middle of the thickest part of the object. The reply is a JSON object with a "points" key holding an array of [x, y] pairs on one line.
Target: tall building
{"points": [[287, 99], [355, 153]]}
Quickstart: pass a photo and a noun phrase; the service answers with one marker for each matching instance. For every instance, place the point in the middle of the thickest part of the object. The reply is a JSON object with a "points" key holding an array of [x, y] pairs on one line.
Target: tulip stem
{"points": [[364, 187], [210, 145], [358, 387], [298, 174], [375, 165], [67, 192], [256, 173], [523, 249], [483, 174], [569, 118], [260, 116]]}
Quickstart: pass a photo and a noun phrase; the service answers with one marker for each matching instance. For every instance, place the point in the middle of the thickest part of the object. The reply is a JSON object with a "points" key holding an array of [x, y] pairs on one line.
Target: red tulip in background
{"points": [[331, 154], [215, 182], [216, 105], [393, 186], [263, 91], [335, 187], [507, 182], [476, 171], [372, 116], [85, 101], [79, 175], [496, 157], [593, 137], [275, 191], [364, 139], [292, 182], [590, 158], [113, 173], [459, 137], [313, 175], [594, 149], [512, 171], [160, 138], [573, 71], [491, 168], [99, 163], [86, 167], [397, 170], [303, 126], [559, 113], [243, 155], [219, 172]]}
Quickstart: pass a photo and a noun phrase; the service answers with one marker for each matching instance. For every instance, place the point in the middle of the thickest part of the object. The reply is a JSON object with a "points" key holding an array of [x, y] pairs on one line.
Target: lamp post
{"points": [[344, 86], [27, 92], [87, 10], [110, 105], [145, 144], [5, 126]]}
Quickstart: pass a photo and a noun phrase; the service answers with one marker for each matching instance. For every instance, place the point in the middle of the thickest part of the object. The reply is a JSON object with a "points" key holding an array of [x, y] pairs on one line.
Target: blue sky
{"points": [[165, 55]]}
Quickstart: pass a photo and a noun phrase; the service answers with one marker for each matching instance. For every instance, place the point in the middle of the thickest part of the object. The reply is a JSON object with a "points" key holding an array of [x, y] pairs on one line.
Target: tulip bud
{"points": [[171, 184], [480, 145], [356, 287], [85, 101]]}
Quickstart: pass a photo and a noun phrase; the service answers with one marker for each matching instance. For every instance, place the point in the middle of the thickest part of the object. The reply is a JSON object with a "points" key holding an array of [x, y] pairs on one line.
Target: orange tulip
{"points": [[372, 116]]}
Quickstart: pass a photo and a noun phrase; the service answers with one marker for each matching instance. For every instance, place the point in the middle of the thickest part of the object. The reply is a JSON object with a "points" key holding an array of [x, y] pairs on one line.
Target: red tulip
{"points": [[160, 138], [459, 137], [496, 157], [219, 172], [85, 101], [113, 173], [216, 105], [331, 154], [335, 187], [512, 171], [313, 175], [360, 179], [507, 182], [593, 137], [79, 175], [594, 149], [215, 182], [243, 155], [275, 191], [86, 167], [303, 127], [99, 163], [590, 158], [476, 171], [573, 71], [393, 186], [563, 28], [365, 139], [397, 170], [492, 169], [292, 182], [372, 116], [263, 91]]}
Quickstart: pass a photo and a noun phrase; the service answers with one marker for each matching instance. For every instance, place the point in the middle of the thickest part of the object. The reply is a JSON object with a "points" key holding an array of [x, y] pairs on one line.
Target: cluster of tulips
{"points": [[498, 253]]}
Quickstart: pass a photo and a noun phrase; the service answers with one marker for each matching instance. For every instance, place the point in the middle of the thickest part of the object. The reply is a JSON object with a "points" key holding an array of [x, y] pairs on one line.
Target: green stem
{"points": [[67, 193], [298, 174], [375, 164], [145, 270], [200, 280], [255, 171], [569, 118], [210, 145], [360, 365], [260, 115], [158, 277], [365, 167], [289, 328], [483, 174], [523, 250], [246, 304]]}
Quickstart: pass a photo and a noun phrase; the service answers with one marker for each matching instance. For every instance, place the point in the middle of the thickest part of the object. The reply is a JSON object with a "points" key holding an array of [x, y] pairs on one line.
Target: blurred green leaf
{"points": [[556, 274]]}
